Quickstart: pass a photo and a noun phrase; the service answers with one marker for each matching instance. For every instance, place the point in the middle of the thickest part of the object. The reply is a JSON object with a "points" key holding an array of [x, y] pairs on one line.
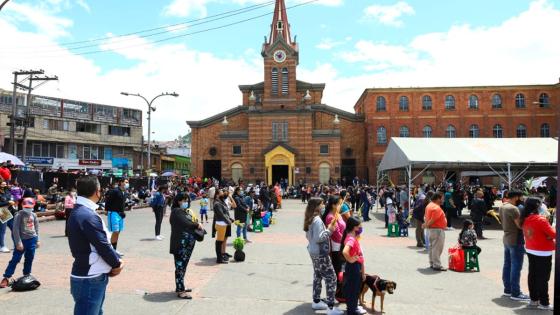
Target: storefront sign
{"points": [[39, 160], [90, 162]]}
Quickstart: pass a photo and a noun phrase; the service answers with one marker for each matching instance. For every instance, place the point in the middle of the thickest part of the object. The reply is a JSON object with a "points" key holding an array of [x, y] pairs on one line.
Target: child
{"points": [[354, 270], [204, 208], [26, 237], [467, 237]]}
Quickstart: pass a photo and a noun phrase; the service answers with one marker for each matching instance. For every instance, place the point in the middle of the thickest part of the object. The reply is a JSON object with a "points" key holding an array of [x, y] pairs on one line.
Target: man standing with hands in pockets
{"points": [[95, 260]]}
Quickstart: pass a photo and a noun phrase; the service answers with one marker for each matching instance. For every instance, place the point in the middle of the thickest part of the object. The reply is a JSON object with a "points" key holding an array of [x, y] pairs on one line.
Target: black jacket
{"points": [[419, 211], [181, 223], [478, 209], [221, 212], [115, 200], [240, 212]]}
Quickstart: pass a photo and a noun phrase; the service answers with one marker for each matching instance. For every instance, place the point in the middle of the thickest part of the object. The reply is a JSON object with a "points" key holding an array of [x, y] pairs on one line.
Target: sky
{"points": [[204, 49]]}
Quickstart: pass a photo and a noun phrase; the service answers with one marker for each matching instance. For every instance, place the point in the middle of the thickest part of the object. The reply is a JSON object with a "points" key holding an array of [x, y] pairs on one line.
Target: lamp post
{"points": [[150, 110]]}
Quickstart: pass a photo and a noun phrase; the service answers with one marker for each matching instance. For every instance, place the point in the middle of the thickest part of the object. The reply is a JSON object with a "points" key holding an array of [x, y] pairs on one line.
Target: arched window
{"points": [[519, 100], [544, 100], [274, 79], [474, 131], [450, 102], [473, 102], [451, 132], [521, 131], [545, 130], [427, 131], [498, 131], [285, 81], [496, 101], [324, 173], [404, 132], [426, 102], [403, 104], [381, 104], [381, 135], [236, 172]]}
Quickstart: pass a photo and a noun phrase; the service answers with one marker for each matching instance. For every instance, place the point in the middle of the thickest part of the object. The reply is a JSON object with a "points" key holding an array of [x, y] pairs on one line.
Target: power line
{"points": [[182, 35]]}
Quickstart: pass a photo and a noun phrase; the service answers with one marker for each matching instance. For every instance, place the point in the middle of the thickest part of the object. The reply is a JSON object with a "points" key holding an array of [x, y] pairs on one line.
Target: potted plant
{"points": [[238, 245]]}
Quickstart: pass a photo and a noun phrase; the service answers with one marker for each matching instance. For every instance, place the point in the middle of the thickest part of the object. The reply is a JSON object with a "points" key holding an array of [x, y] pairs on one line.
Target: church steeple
{"points": [[280, 27]]}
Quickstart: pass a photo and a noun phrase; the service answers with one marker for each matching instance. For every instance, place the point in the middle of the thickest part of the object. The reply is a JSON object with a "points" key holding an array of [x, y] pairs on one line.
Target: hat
{"points": [[28, 203], [344, 210]]}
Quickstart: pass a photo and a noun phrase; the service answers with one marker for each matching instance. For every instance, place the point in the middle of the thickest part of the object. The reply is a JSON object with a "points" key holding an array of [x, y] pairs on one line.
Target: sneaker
{"points": [[505, 294], [335, 311], [533, 304], [4, 249], [159, 238], [520, 297], [319, 306], [450, 228], [361, 310], [546, 307]]}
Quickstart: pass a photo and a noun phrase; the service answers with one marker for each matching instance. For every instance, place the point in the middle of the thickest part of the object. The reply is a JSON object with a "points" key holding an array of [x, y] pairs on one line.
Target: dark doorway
{"points": [[279, 172], [348, 170], [212, 168]]}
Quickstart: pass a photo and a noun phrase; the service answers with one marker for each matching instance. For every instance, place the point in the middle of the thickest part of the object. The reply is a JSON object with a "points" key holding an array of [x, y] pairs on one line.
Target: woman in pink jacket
{"points": [[332, 213], [69, 202], [539, 245]]}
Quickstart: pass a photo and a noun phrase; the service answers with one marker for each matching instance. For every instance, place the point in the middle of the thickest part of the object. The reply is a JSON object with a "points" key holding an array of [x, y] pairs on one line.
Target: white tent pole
{"points": [[509, 175], [377, 191], [409, 187]]}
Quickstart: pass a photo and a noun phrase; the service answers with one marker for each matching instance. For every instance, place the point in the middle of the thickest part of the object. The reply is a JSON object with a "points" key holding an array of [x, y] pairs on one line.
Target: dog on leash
{"points": [[378, 287]]}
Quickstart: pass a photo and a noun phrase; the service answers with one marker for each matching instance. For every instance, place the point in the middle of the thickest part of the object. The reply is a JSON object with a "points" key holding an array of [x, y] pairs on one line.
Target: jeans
{"points": [[352, 285], [365, 211], [539, 275], [29, 247], [511, 272], [9, 224], [242, 229], [89, 294], [158, 212], [478, 228]]}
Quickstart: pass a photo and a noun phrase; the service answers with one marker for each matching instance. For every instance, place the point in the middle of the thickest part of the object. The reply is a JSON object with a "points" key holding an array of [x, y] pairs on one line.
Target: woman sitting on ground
{"points": [[467, 237], [183, 225]]}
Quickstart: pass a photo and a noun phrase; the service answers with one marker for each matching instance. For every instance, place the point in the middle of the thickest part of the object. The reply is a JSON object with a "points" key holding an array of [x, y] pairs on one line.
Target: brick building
{"points": [[282, 129]]}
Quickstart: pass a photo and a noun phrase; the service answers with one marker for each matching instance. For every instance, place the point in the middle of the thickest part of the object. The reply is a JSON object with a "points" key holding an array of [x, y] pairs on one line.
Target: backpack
{"points": [[25, 283]]}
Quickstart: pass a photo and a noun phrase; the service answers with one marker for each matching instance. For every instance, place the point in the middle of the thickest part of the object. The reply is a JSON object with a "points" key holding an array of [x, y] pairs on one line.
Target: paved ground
{"points": [[275, 279]]}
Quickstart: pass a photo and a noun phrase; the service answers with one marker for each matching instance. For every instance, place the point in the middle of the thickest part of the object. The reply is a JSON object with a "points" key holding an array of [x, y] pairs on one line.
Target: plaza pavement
{"points": [[275, 279]]}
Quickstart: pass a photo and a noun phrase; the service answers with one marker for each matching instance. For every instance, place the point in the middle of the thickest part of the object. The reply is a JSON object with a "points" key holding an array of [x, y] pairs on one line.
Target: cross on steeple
{"points": [[280, 27]]}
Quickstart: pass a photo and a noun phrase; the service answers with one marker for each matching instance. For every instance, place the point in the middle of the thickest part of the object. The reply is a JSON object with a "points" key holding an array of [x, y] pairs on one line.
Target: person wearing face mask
{"points": [[95, 260], [26, 237], [331, 214], [221, 226], [240, 214], [69, 202], [183, 225], [354, 272], [346, 207], [6, 202], [115, 203]]}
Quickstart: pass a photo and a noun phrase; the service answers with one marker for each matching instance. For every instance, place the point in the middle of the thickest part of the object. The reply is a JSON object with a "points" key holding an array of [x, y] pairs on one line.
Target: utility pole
{"points": [[12, 146], [27, 118]]}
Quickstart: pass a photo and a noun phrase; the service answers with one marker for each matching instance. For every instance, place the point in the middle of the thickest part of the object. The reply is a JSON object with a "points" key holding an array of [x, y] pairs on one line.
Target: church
{"points": [[282, 130]]}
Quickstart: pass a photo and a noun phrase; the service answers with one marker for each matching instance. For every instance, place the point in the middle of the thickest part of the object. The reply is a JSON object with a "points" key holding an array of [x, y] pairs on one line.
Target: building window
{"points": [[274, 80], [381, 104], [473, 102], [52, 124], [60, 151], [521, 131], [280, 131], [324, 149], [21, 122], [236, 172], [403, 104], [474, 131], [404, 132], [451, 132], [236, 150], [496, 101], [519, 100], [72, 151], [381, 135], [450, 102], [498, 131], [119, 131], [87, 127], [545, 130], [91, 152], [285, 81], [427, 131], [131, 115], [544, 100], [324, 173], [426, 102]]}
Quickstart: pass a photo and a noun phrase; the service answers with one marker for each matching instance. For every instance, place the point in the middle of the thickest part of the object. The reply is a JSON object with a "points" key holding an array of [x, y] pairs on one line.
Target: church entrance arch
{"points": [[279, 164]]}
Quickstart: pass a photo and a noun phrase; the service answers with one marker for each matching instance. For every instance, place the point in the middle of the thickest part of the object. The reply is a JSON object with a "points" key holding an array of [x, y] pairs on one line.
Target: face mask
{"points": [[359, 231], [185, 205], [322, 210], [518, 202], [126, 186], [28, 210]]}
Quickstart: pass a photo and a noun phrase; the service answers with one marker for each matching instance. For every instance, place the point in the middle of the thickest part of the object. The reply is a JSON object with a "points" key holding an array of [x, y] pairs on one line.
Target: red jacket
{"points": [[539, 235], [5, 173]]}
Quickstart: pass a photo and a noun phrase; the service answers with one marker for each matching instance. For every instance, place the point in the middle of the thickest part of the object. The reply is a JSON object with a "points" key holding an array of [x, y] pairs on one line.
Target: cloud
{"points": [[41, 17], [84, 5], [389, 14]]}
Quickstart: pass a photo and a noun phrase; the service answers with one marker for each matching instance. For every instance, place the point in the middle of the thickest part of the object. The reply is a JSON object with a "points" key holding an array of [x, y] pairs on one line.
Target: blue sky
{"points": [[348, 44]]}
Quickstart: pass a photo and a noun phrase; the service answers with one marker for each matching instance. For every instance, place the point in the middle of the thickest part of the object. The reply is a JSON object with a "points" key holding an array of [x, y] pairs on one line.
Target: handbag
{"points": [[199, 234]]}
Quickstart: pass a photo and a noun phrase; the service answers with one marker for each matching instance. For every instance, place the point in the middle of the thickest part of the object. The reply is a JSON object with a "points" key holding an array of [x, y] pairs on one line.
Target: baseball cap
{"points": [[28, 203]]}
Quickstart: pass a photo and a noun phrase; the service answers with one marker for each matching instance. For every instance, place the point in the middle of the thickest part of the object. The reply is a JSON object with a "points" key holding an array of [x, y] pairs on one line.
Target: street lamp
{"points": [[150, 110]]}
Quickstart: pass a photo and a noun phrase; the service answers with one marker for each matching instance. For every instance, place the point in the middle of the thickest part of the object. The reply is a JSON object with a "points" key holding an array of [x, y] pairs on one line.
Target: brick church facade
{"points": [[283, 130]]}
